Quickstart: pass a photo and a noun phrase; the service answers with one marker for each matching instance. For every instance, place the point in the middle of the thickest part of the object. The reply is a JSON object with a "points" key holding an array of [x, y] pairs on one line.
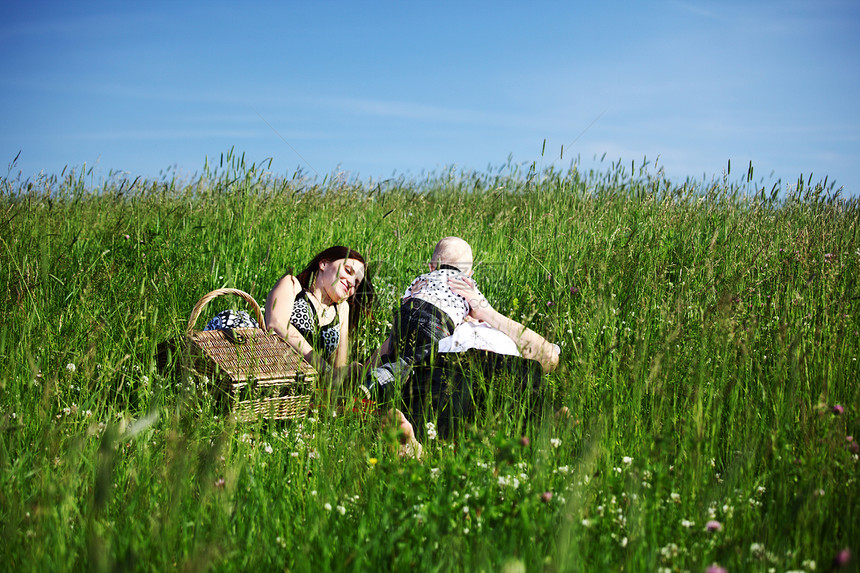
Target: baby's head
{"points": [[455, 252]]}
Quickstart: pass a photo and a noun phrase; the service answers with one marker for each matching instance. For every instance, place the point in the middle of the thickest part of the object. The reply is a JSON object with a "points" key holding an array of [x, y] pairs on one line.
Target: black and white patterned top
{"points": [[323, 339], [433, 288]]}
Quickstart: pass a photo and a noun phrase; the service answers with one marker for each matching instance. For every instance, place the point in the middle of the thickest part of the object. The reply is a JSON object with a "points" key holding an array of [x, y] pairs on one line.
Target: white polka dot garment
{"points": [[433, 288]]}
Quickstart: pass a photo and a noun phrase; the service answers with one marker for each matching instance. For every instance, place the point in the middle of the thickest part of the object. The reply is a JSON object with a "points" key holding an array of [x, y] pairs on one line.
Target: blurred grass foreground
{"points": [[709, 335]]}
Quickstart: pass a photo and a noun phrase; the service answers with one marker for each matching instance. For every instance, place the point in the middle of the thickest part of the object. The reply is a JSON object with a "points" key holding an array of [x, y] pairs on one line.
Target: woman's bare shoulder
{"points": [[287, 283]]}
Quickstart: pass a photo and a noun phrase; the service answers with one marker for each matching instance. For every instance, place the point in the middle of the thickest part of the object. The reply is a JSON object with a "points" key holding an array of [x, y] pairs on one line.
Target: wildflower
{"points": [[555, 442], [434, 473], [676, 497], [574, 290], [372, 461], [268, 448], [809, 564], [837, 410], [524, 441], [341, 509], [546, 497], [757, 549], [431, 431], [627, 460], [549, 303], [842, 558], [713, 525], [327, 506], [313, 493], [219, 482], [687, 523], [71, 367], [716, 569], [586, 523]]}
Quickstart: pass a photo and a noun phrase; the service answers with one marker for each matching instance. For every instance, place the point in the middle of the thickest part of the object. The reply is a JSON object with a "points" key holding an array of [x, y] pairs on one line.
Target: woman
{"points": [[315, 310]]}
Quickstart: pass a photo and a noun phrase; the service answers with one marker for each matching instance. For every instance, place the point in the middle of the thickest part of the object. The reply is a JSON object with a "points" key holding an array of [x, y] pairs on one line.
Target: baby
{"points": [[429, 312]]}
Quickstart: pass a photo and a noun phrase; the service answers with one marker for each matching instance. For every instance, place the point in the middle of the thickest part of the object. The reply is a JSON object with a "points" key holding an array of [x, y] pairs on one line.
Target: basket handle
{"points": [[198, 308]]}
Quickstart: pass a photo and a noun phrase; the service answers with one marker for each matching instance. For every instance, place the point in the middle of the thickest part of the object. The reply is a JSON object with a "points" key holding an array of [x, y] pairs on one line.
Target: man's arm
{"points": [[531, 345]]}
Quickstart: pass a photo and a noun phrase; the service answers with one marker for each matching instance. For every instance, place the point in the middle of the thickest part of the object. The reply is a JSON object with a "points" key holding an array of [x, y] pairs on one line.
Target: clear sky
{"points": [[382, 88]]}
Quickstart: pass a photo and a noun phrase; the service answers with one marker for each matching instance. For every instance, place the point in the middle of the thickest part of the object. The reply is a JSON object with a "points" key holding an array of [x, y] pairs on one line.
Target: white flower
{"points": [[586, 523], [431, 431], [327, 506], [687, 523], [268, 448], [676, 497], [627, 460], [555, 442], [341, 509], [71, 367]]}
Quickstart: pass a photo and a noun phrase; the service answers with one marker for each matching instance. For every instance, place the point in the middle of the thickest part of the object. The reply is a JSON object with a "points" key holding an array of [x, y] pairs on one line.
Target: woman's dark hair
{"points": [[360, 303]]}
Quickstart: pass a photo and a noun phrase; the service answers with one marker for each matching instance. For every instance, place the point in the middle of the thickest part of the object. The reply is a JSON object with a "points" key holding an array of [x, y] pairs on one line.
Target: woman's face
{"points": [[340, 279]]}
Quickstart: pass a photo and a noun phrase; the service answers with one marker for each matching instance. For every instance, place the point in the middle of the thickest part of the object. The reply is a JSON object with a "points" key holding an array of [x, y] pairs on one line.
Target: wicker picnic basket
{"points": [[256, 371]]}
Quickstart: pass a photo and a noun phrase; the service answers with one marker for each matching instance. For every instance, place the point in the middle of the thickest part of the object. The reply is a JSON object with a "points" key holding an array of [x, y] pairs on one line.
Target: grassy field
{"points": [[709, 335]]}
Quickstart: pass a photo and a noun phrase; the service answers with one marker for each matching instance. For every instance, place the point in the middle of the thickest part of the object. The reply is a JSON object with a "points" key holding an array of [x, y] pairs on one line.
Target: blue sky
{"points": [[381, 88]]}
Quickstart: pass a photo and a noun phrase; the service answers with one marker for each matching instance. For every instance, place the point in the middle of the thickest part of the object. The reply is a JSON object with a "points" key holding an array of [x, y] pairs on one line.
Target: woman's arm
{"points": [[376, 357], [279, 309], [341, 353], [531, 345]]}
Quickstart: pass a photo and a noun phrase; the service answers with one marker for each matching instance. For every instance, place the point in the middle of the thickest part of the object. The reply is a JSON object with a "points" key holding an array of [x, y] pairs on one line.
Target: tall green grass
{"points": [[709, 335]]}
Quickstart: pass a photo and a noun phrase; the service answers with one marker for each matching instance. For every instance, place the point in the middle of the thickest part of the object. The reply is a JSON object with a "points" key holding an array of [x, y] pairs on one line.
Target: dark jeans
{"points": [[418, 328], [458, 387]]}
